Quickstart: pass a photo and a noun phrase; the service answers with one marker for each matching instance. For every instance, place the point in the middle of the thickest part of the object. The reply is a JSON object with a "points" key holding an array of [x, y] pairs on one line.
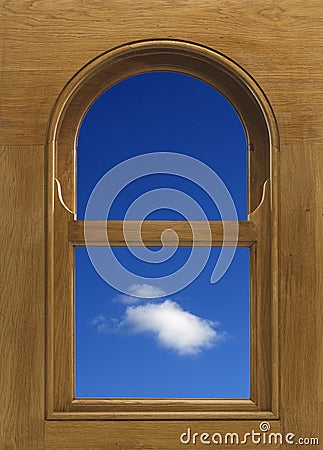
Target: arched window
{"points": [[69, 228]]}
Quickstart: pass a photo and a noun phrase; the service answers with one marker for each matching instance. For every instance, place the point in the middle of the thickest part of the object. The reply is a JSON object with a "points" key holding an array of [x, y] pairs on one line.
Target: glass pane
{"points": [[156, 113], [191, 344]]}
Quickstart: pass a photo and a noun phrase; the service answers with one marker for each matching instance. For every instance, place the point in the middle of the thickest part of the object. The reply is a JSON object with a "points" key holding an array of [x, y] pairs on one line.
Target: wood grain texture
{"points": [[301, 290], [41, 36], [43, 44], [262, 323], [133, 233], [134, 435], [240, 28], [166, 406], [22, 298], [26, 99]]}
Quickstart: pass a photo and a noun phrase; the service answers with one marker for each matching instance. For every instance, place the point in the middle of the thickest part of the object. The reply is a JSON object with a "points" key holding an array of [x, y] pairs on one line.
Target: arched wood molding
{"points": [[163, 55]]}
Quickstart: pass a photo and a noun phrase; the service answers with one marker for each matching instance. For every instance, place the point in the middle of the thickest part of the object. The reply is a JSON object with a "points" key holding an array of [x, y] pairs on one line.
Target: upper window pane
{"points": [[162, 112]]}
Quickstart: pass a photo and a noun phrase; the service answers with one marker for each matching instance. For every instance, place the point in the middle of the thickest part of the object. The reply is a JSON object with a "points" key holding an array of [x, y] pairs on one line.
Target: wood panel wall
{"points": [[43, 43]]}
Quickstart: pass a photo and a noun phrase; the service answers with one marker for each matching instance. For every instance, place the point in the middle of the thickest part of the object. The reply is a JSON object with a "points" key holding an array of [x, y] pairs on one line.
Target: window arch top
{"points": [[163, 55]]}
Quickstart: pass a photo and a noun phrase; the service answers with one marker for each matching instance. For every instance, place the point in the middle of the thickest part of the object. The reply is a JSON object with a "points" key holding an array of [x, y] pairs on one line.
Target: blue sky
{"points": [[194, 343]]}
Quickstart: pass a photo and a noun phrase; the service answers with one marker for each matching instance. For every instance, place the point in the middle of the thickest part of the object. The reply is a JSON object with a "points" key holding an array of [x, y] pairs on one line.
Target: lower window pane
{"points": [[145, 343]]}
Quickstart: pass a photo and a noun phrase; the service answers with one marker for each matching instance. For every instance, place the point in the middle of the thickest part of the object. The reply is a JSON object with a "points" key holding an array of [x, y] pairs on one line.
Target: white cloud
{"points": [[103, 324], [146, 291], [139, 292], [173, 327]]}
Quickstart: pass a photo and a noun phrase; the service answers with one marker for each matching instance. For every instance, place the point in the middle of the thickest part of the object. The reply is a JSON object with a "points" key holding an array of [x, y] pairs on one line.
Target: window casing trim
{"points": [[262, 135]]}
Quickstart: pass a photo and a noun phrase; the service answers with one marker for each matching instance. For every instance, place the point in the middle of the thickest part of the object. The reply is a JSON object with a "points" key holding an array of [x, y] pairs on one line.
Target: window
{"points": [[255, 233]]}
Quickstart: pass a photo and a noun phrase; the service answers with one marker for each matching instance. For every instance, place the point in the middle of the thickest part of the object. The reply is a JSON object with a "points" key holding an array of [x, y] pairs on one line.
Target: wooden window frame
{"points": [[259, 233]]}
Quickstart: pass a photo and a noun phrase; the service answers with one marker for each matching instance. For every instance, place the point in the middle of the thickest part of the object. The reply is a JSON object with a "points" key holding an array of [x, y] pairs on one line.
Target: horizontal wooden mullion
{"points": [[149, 233]]}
